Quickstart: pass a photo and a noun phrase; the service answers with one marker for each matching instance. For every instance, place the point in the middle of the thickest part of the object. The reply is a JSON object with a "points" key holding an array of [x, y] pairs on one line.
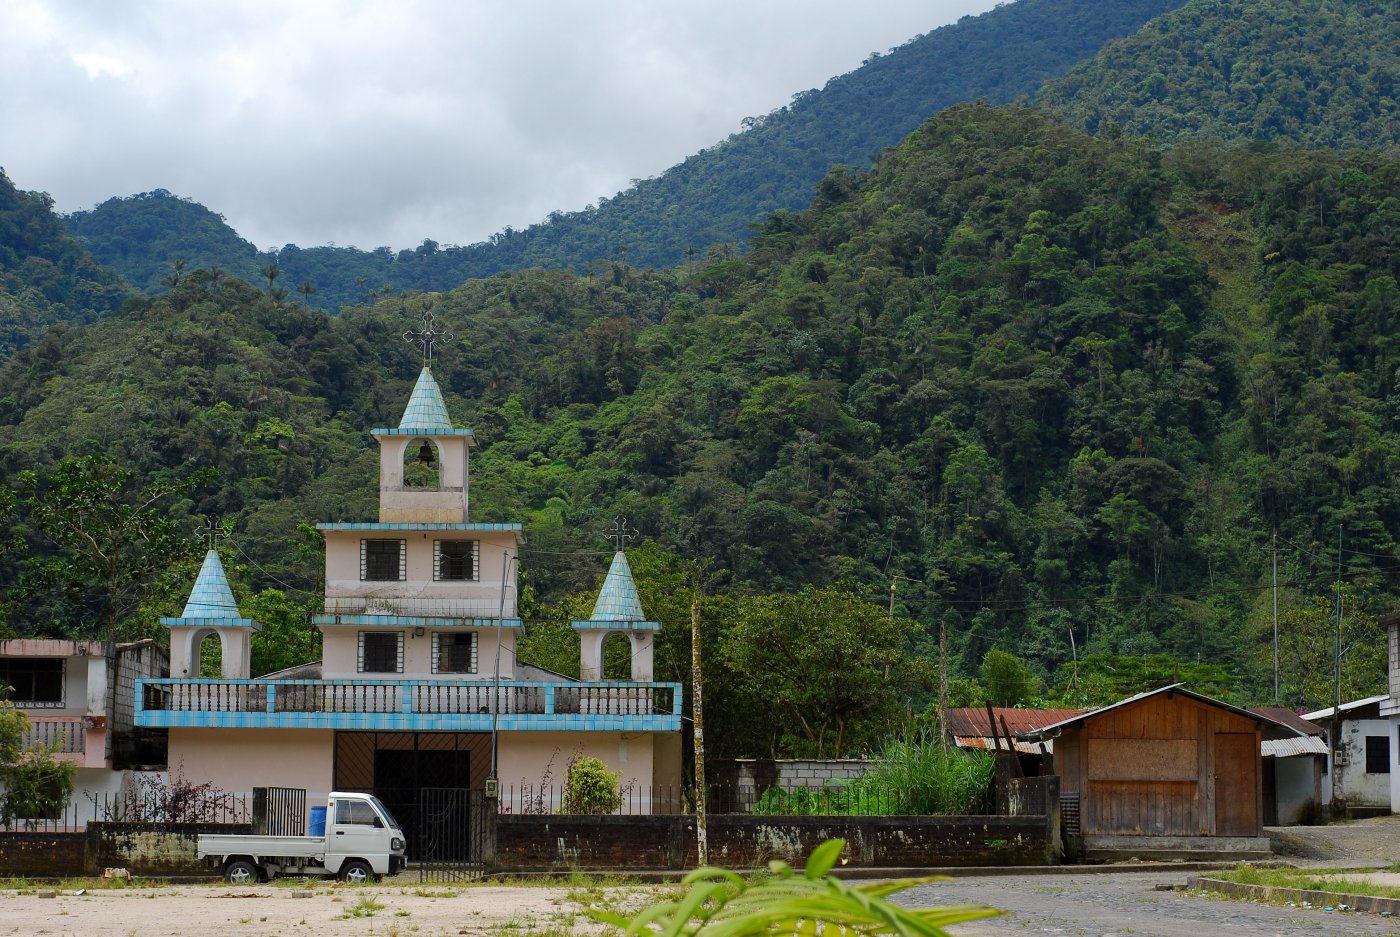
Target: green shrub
{"points": [[590, 788]]}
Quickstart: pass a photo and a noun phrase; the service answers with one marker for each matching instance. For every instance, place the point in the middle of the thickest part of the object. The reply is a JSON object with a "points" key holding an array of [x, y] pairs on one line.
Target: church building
{"points": [[419, 686]]}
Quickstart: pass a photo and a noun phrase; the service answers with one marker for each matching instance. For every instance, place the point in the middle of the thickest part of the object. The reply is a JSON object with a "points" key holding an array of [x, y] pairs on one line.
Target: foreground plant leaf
{"points": [[719, 903]]}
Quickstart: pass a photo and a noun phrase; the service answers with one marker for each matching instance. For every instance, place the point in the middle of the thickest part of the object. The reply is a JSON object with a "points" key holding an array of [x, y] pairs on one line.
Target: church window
{"points": [[454, 652], [457, 560], [383, 560], [381, 652]]}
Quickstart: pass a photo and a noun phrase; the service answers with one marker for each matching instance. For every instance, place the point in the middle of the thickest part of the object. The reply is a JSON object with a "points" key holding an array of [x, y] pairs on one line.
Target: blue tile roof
{"points": [[618, 599], [426, 410], [211, 599]]}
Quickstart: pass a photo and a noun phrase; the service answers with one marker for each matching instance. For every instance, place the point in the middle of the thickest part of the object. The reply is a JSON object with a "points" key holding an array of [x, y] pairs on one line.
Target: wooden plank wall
{"points": [[1148, 768]]}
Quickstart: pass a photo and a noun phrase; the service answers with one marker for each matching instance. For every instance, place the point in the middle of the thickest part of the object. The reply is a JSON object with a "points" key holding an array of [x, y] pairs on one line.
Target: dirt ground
{"points": [[1092, 903], [388, 909]]}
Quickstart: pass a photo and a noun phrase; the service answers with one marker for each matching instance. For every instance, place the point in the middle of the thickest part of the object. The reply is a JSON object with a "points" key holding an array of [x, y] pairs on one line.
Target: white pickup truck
{"points": [[362, 841]]}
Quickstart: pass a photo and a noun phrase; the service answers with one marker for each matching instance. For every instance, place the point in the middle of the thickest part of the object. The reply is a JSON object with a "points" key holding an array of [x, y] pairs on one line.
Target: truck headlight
{"points": [[396, 844]]}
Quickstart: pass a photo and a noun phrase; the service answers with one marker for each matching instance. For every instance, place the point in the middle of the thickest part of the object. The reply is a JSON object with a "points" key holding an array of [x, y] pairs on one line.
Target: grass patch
{"points": [[1332, 881], [365, 907]]}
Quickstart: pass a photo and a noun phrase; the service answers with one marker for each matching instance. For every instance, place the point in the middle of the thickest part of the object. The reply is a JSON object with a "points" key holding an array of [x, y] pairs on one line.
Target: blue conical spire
{"points": [[211, 599], [211, 596], [618, 599], [426, 409]]}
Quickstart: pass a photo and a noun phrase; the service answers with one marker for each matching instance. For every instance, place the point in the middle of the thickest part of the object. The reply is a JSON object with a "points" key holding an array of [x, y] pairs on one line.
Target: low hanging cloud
{"points": [[375, 123]]}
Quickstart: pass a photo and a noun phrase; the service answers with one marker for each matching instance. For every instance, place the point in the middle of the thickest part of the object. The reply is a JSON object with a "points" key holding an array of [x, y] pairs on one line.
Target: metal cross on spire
{"points": [[619, 533], [428, 337], [212, 531]]}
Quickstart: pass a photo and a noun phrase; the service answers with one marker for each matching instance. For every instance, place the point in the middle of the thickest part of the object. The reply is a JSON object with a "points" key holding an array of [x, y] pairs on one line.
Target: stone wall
{"points": [[41, 855], [138, 848], [143, 850], [556, 843]]}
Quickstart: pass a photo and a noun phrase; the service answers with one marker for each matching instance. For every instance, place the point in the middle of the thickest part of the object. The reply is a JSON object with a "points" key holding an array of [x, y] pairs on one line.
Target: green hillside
{"points": [[1057, 386], [144, 236], [46, 277], [1322, 72], [712, 197]]}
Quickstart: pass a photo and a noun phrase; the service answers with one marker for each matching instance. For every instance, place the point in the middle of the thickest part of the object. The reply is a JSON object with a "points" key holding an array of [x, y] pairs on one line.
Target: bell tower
{"points": [[424, 469]]}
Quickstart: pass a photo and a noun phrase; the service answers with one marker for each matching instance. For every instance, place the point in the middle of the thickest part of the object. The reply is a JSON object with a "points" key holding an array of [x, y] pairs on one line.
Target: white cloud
{"points": [[373, 123]]}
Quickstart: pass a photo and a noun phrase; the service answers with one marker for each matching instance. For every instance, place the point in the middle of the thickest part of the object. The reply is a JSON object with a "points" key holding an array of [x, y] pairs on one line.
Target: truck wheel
{"points": [[241, 872], [356, 872]]}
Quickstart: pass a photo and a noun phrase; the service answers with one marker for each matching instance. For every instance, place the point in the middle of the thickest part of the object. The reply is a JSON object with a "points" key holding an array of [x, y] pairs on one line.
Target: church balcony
{"points": [[477, 612], [409, 705]]}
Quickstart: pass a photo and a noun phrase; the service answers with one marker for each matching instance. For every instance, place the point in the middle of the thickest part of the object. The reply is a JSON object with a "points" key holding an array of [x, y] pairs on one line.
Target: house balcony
{"points": [[409, 705], [63, 735]]}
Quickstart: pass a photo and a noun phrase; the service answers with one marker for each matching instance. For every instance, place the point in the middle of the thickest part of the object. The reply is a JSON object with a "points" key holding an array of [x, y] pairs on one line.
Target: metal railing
{"points": [[215, 807], [408, 697], [833, 800], [59, 735]]}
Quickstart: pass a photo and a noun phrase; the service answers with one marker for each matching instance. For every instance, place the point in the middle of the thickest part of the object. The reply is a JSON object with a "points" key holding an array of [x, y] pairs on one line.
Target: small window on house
{"points": [[454, 652], [1377, 754], [33, 681], [383, 560], [381, 652], [456, 560]]}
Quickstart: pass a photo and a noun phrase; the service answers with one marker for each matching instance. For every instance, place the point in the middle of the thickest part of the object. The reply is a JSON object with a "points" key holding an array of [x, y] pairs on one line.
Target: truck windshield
{"points": [[379, 805]]}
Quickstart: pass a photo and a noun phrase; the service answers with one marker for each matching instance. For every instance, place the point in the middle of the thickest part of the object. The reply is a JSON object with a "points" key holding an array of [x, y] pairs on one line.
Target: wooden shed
{"points": [[1164, 774]]}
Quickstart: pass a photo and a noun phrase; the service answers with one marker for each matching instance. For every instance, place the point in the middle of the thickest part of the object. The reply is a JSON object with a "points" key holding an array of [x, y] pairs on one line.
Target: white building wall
{"points": [[1350, 782]]}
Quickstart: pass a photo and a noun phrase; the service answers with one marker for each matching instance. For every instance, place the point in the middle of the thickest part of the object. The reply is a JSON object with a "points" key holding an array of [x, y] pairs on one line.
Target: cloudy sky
{"points": [[389, 121]]}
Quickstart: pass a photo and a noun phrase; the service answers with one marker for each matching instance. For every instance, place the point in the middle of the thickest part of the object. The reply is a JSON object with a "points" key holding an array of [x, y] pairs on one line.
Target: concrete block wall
{"points": [[546, 843]]}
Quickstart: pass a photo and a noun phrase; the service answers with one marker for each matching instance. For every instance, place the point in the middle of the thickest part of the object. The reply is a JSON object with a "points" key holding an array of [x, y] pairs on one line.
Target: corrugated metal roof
{"points": [[970, 721], [1271, 728], [1289, 718], [1347, 707], [1288, 748], [986, 744]]}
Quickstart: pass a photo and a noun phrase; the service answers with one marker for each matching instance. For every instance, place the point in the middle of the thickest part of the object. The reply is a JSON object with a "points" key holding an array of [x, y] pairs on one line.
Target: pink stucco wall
{"points": [[340, 655], [480, 598], [238, 760]]}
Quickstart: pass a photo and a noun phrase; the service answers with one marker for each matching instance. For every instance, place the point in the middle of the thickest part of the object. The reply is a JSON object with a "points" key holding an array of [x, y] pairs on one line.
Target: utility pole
{"points": [[942, 681], [698, 720], [1275, 616], [1337, 679]]}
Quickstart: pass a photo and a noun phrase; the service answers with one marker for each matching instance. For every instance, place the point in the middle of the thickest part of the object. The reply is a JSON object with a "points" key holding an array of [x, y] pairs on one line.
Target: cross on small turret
{"points": [[428, 337], [619, 533], [212, 531]]}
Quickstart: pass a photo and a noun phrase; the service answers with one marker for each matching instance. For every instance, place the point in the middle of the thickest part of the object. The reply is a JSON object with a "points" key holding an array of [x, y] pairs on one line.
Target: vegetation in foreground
{"points": [[1339, 882], [720, 903]]}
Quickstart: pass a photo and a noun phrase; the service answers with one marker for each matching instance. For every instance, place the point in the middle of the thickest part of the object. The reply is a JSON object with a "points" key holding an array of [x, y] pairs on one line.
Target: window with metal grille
{"points": [[1377, 754], [383, 560], [33, 681], [456, 560], [381, 652], [454, 652]]}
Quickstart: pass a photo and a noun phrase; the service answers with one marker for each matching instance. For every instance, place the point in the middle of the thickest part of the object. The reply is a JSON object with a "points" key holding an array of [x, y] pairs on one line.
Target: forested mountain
{"points": [[1057, 389], [711, 198], [1323, 72], [144, 236], [46, 276]]}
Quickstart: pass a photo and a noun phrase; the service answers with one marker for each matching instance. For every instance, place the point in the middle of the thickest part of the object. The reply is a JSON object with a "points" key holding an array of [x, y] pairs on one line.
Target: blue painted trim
{"points": [[416, 621], [594, 624], [420, 431], [200, 622], [405, 719]]}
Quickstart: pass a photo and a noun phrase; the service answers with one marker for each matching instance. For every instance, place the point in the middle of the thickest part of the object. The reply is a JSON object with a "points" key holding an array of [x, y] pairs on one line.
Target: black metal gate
{"points": [[450, 826]]}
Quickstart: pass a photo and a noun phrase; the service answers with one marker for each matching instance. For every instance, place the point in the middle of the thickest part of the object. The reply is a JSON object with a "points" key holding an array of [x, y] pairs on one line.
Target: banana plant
{"points": [[721, 903]]}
